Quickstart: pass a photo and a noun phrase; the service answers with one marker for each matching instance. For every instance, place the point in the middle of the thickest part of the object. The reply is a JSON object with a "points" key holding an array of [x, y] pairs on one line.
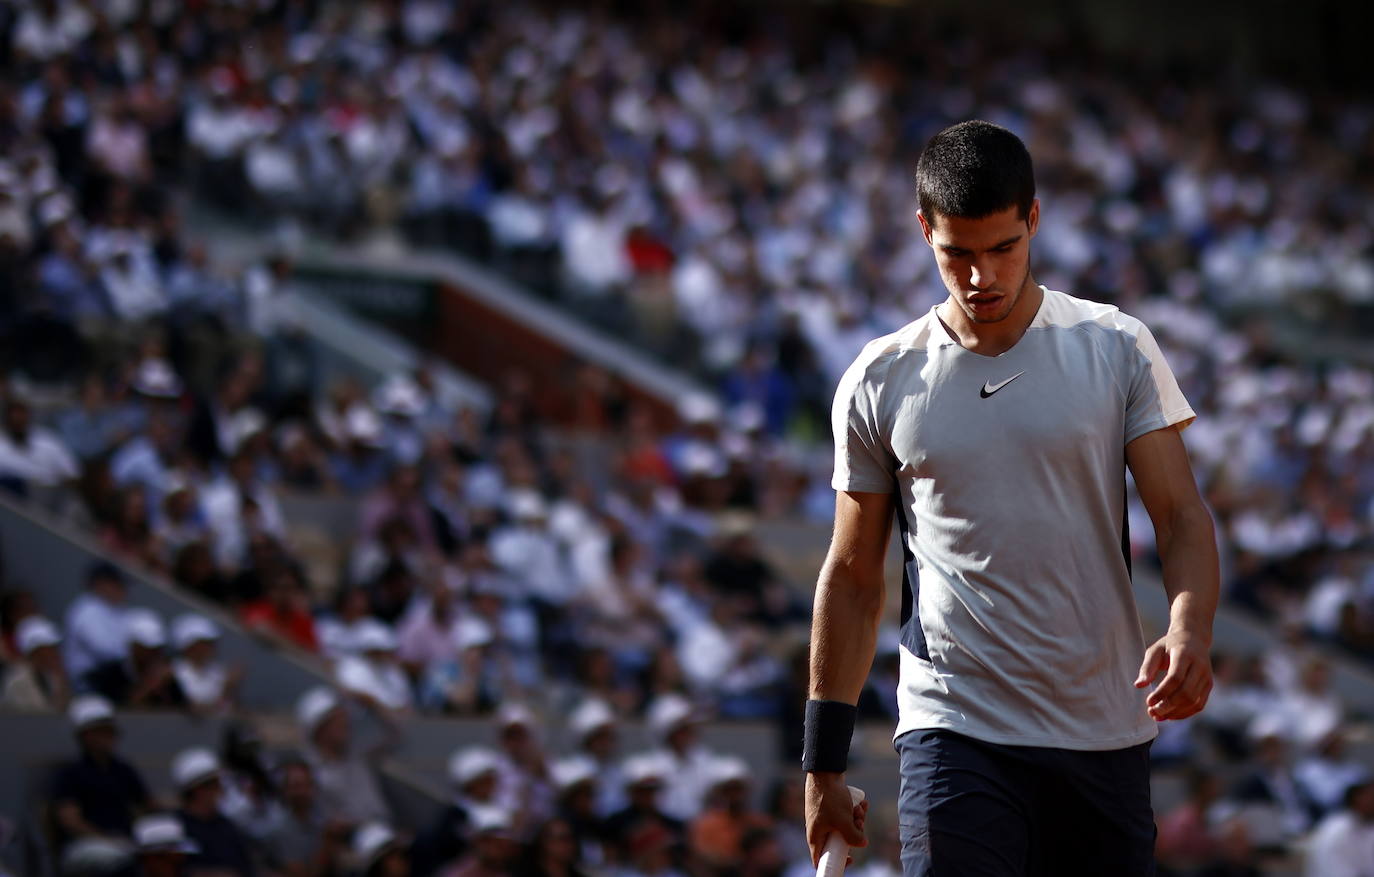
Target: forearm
{"points": [[1192, 579], [844, 630]]}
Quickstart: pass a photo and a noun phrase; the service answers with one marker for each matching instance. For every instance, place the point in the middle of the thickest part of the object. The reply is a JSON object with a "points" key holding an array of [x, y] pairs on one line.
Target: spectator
{"points": [[378, 852], [1343, 843], [348, 788], [1325, 774], [426, 632], [162, 845], [223, 848], [717, 835], [596, 731], [673, 720], [302, 843], [96, 636], [249, 793], [338, 631], [37, 681], [474, 773], [97, 796], [523, 787], [575, 780], [644, 778], [651, 849], [207, 684], [553, 853], [787, 809], [283, 613], [494, 848], [1185, 839], [148, 679], [1311, 710], [373, 675], [471, 682], [529, 553], [31, 457], [1273, 786], [237, 504]]}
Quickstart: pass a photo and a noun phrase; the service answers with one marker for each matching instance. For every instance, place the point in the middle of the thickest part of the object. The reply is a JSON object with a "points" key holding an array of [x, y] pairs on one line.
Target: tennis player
{"points": [[1000, 426]]}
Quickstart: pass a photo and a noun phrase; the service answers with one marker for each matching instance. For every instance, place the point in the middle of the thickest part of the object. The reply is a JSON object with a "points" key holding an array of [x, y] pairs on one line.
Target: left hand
{"points": [[1185, 661]]}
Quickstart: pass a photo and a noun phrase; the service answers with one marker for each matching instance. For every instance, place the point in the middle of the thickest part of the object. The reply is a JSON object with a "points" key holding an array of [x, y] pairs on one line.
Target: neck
{"points": [[991, 339]]}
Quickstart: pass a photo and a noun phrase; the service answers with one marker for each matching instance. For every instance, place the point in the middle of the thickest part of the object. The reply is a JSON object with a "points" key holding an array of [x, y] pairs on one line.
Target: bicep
{"points": [[863, 524], [1163, 476]]}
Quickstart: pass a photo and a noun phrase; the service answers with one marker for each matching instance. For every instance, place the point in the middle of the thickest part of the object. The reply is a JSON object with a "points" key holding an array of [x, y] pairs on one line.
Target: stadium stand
{"points": [[377, 566]]}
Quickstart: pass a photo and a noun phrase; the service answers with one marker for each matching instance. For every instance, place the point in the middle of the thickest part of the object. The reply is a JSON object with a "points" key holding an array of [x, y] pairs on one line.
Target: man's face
{"points": [[985, 262]]}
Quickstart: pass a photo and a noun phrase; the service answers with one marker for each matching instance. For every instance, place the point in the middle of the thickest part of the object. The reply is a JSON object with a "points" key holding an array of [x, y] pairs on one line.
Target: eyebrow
{"points": [[997, 246]]}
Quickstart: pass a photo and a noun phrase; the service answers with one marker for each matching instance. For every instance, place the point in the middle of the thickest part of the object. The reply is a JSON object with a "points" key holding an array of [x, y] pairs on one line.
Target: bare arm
{"points": [[844, 628], [1187, 545]]}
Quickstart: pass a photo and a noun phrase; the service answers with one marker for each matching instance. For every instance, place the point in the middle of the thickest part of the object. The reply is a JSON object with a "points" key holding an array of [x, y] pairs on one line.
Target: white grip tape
{"points": [[836, 852]]}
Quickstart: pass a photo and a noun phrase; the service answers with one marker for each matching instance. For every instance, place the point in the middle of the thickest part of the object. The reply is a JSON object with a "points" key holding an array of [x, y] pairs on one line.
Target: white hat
{"points": [[34, 633], [468, 764], [363, 425], [191, 767], [569, 772], [726, 769], [372, 635], [490, 820], [644, 767], [471, 632], [163, 833], [699, 408], [400, 395], [190, 629], [155, 377], [513, 714], [144, 627], [667, 712], [371, 842], [244, 424], [591, 715], [526, 505], [88, 710], [314, 706]]}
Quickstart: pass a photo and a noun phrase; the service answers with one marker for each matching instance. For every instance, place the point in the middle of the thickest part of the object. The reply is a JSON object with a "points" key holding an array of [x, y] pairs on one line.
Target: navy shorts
{"points": [[976, 809]]}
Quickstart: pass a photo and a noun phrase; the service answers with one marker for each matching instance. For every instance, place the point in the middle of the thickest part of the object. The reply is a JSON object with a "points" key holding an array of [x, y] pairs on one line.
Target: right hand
{"points": [[830, 809]]}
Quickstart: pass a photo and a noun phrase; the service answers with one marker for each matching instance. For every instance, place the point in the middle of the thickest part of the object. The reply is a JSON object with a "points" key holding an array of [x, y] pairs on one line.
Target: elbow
{"points": [[1188, 524]]}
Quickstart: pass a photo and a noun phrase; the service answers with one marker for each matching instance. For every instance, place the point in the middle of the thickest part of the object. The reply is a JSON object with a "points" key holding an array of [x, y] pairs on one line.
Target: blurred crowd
{"points": [[742, 210]]}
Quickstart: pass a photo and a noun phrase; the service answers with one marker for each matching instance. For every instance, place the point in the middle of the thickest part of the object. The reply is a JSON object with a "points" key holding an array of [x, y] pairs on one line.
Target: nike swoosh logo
{"points": [[989, 389]]}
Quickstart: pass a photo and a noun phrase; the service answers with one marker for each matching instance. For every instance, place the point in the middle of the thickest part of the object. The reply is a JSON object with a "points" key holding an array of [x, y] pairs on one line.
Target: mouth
{"points": [[984, 301]]}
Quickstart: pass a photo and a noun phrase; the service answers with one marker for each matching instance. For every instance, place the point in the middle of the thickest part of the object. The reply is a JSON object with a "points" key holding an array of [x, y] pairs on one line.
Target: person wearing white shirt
{"points": [[224, 502], [206, 682], [1343, 844], [95, 629], [527, 551], [687, 762], [1326, 774], [32, 455], [373, 674]]}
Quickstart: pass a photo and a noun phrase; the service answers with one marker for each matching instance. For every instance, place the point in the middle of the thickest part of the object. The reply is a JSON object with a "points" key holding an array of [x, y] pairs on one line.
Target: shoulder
{"points": [[879, 354], [1061, 310]]}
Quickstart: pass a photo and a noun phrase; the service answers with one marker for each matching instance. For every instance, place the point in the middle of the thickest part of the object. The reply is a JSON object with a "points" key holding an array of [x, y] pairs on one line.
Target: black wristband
{"points": [[825, 742]]}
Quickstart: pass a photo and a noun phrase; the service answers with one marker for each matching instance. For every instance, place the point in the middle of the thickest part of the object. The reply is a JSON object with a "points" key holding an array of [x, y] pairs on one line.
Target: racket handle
{"points": [[832, 860]]}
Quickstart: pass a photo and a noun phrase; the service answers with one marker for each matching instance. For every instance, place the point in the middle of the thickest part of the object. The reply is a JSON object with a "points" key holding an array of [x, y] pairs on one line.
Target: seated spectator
{"points": [[1311, 709], [129, 535], [162, 847], [338, 630], [181, 522], [207, 684], [716, 836], [373, 675], [95, 632], [651, 850], [1324, 775], [193, 568], [596, 730], [1273, 786], [348, 790], [250, 795], [378, 852], [15, 606], [473, 681], [393, 593], [524, 786], [360, 464], [725, 658], [36, 682], [787, 810], [223, 848], [644, 778], [98, 795], [283, 612], [1343, 843], [31, 457], [760, 854], [576, 781], [239, 503], [674, 721], [1185, 838], [302, 842], [528, 552], [474, 774], [425, 632], [553, 853], [148, 679], [494, 850]]}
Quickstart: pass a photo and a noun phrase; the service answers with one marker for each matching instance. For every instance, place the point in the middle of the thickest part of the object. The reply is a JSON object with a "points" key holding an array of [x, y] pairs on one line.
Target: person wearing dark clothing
{"points": [[99, 794], [222, 847]]}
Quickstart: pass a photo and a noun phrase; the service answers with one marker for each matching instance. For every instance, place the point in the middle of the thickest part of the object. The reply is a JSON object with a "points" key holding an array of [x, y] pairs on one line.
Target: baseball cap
{"points": [[492, 821], [511, 715], [572, 771], [34, 633], [372, 635], [400, 395], [191, 767], [363, 425], [89, 710], [726, 769], [155, 377], [471, 763], [190, 629], [471, 632], [527, 505], [667, 712], [591, 715], [144, 627], [645, 767], [370, 842], [314, 706], [162, 833]]}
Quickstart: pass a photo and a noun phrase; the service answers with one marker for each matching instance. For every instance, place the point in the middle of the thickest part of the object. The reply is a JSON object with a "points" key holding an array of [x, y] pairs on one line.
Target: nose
{"points": [[982, 276]]}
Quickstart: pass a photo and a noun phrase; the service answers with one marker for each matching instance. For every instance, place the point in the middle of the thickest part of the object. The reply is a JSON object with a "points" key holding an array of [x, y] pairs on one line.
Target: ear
{"points": [[1033, 218], [926, 228]]}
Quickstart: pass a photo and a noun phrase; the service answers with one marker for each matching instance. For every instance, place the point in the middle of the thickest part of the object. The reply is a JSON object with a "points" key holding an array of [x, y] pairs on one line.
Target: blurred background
{"points": [[415, 450]]}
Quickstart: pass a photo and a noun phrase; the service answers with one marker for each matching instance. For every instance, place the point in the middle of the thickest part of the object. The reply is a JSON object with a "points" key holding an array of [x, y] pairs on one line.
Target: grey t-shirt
{"points": [[1019, 625]]}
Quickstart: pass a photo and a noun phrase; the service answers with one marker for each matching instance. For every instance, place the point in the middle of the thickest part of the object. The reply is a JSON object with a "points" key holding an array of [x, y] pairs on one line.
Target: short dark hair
{"points": [[974, 169]]}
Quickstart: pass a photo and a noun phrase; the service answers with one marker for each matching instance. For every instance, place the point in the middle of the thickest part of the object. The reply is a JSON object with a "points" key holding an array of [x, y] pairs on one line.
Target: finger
{"points": [[1173, 681], [1156, 659]]}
